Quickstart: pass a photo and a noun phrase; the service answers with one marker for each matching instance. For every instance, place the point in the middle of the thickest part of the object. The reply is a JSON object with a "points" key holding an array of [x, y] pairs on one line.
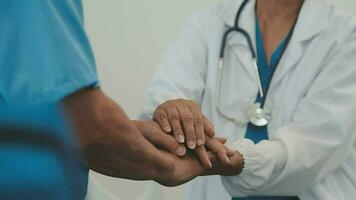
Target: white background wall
{"points": [[129, 37]]}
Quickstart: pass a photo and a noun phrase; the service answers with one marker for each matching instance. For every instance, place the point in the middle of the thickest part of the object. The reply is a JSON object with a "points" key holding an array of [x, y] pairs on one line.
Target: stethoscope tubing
{"points": [[238, 29]]}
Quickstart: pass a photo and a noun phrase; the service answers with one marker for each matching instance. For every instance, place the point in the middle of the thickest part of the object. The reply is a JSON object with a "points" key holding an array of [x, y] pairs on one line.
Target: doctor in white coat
{"points": [[306, 149]]}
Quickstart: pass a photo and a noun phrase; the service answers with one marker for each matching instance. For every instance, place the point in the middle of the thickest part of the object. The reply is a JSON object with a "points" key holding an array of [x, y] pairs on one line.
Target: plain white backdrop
{"points": [[129, 37]]}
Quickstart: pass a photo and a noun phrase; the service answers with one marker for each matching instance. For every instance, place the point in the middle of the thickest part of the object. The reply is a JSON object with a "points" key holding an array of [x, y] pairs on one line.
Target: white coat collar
{"points": [[312, 20]]}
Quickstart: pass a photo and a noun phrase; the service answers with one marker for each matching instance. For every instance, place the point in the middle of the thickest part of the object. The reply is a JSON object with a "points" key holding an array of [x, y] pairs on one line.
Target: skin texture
{"points": [[276, 18], [194, 127], [115, 146], [183, 119]]}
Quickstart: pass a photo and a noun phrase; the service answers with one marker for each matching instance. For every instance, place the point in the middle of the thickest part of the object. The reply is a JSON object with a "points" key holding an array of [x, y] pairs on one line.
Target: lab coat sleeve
{"points": [[181, 74], [316, 142]]}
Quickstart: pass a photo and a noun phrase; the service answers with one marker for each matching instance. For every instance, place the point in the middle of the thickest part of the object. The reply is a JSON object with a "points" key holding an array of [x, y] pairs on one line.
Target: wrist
{"points": [[242, 147], [163, 173]]}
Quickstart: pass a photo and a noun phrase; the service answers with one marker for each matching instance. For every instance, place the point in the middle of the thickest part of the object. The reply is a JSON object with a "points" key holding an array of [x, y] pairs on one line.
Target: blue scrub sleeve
{"points": [[45, 54]]}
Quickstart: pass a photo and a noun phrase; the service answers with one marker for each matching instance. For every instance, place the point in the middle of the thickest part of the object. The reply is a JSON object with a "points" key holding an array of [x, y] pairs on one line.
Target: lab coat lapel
{"points": [[248, 23], [312, 20]]}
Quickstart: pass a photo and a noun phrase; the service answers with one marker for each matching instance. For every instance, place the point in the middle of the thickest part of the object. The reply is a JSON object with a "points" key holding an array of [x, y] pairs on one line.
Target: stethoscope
{"points": [[257, 114]]}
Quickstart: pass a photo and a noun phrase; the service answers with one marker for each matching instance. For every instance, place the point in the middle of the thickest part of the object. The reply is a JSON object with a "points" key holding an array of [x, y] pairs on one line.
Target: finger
{"points": [[212, 157], [198, 125], [219, 150], [168, 143], [221, 140], [229, 152], [203, 156], [188, 125], [208, 127], [161, 117], [174, 120]]}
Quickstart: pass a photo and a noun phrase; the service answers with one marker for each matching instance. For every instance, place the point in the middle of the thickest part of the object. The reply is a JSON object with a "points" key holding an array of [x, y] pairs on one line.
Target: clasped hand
{"points": [[183, 119], [180, 124]]}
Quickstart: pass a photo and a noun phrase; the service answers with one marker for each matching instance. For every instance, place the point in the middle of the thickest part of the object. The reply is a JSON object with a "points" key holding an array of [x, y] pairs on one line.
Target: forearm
{"points": [[110, 142]]}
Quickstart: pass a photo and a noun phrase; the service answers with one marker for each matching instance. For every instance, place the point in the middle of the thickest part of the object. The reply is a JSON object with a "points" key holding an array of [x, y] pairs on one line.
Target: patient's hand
{"points": [[237, 164], [184, 119], [183, 169], [180, 166]]}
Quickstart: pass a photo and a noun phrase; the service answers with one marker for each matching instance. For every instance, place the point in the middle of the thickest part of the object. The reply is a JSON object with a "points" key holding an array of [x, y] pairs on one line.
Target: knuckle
{"points": [[190, 135], [177, 129], [198, 121], [167, 141], [188, 119], [172, 116], [162, 116], [200, 136]]}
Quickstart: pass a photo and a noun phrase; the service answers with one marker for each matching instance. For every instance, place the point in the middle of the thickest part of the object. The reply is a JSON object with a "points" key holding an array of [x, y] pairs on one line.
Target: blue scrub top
{"points": [[266, 70], [40, 160], [45, 54]]}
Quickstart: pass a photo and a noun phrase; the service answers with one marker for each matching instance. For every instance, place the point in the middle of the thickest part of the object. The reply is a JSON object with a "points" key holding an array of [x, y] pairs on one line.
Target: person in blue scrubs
{"points": [[39, 157], [46, 58], [44, 55], [44, 51]]}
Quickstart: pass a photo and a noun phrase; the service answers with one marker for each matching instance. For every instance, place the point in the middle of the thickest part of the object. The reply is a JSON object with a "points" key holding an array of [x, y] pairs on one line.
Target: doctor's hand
{"points": [[184, 119]]}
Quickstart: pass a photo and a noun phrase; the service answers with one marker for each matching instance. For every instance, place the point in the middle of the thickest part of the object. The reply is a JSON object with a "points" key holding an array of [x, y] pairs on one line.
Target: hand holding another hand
{"points": [[184, 120], [178, 166], [174, 168]]}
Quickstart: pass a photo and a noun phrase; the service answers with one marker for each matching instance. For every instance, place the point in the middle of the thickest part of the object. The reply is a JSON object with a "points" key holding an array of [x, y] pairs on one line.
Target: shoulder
{"points": [[214, 15], [341, 26]]}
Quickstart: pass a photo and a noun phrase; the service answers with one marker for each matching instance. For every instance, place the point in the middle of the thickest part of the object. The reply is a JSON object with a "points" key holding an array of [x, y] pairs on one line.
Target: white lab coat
{"points": [[311, 151]]}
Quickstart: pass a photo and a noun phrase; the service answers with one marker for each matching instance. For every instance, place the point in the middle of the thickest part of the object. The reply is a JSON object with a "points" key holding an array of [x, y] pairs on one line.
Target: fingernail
{"points": [[210, 165], [227, 159], [168, 129], [181, 151], [191, 144], [181, 139], [200, 142]]}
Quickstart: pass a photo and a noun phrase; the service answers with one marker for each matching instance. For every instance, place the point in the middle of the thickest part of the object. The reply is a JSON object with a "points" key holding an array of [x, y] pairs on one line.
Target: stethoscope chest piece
{"points": [[258, 116]]}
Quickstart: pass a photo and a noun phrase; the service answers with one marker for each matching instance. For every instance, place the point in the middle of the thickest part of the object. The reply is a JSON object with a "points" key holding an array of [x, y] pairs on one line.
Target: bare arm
{"points": [[113, 145]]}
